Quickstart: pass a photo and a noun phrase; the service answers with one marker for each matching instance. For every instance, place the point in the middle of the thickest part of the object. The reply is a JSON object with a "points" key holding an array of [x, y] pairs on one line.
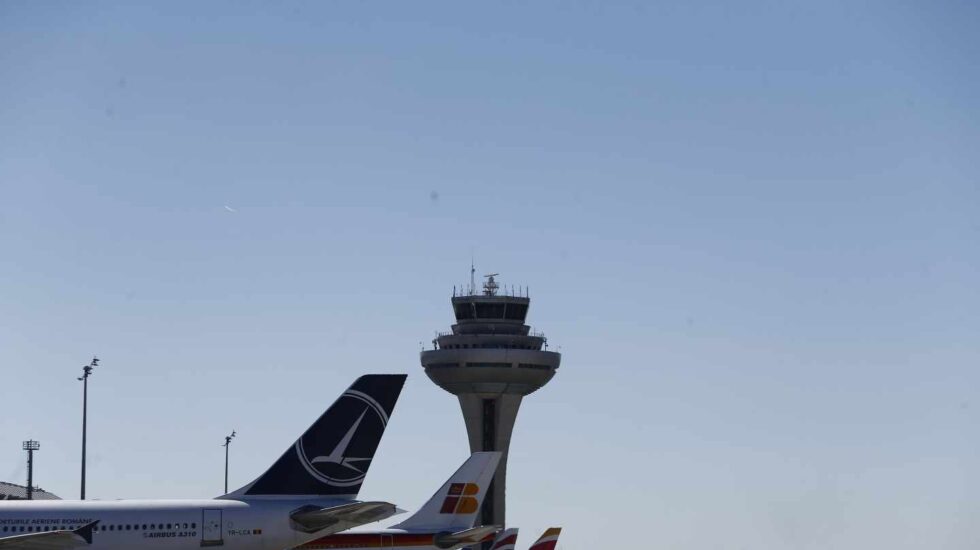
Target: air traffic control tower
{"points": [[490, 361]]}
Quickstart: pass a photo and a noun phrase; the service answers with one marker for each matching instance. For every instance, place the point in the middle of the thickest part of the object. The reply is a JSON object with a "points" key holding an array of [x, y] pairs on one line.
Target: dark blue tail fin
{"points": [[333, 456]]}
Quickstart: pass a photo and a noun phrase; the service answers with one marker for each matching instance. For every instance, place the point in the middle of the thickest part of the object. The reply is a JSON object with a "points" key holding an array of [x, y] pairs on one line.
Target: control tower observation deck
{"points": [[490, 361]]}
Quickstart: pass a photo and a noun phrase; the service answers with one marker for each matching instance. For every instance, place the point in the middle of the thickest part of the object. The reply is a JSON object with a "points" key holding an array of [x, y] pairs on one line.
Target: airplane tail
{"points": [[548, 540], [332, 457], [505, 540], [456, 504]]}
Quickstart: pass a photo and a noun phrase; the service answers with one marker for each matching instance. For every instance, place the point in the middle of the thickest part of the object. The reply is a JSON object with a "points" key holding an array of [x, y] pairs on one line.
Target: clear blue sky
{"points": [[752, 228]]}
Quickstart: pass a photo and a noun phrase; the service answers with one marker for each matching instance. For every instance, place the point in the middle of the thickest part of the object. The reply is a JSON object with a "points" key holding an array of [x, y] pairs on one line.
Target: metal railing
{"points": [[531, 333]]}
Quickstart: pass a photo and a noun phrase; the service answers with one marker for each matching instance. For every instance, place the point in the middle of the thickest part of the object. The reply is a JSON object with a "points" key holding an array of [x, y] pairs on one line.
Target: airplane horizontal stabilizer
{"points": [[51, 540], [472, 535], [311, 519]]}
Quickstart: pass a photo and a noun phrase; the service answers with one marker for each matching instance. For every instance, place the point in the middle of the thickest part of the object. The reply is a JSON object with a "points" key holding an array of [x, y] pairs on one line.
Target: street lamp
{"points": [[227, 444], [30, 446], [87, 371]]}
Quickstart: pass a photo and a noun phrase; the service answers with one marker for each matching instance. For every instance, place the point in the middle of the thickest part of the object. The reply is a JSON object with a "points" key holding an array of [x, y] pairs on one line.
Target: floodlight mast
{"points": [[30, 446], [86, 372], [227, 444]]}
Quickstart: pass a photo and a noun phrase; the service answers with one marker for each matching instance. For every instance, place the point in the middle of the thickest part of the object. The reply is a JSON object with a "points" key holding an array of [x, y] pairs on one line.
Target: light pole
{"points": [[30, 446], [227, 444], [87, 371]]}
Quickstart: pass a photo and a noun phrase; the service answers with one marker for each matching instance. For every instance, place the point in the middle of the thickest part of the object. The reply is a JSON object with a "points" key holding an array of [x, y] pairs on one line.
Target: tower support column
{"points": [[490, 424]]}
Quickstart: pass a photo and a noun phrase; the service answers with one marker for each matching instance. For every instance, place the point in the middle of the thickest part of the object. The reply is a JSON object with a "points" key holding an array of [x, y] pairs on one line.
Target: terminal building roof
{"points": [[12, 491]]}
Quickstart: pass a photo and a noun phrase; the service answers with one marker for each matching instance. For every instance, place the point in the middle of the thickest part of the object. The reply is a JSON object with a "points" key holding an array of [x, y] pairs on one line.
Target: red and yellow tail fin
{"points": [[548, 540], [456, 504], [505, 540]]}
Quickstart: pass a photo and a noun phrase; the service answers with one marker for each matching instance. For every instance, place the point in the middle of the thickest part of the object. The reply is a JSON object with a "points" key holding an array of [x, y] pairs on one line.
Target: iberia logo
{"points": [[460, 499]]}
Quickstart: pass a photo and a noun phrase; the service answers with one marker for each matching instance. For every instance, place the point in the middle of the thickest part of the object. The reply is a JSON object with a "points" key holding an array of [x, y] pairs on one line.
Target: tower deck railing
{"points": [[532, 333]]}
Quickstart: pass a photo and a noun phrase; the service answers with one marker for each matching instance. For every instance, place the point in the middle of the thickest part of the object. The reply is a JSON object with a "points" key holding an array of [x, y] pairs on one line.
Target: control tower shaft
{"points": [[490, 361]]}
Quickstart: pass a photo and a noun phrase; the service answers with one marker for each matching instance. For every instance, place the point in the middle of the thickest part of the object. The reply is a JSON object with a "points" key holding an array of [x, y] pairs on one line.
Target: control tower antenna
{"points": [[490, 361], [472, 277], [490, 287]]}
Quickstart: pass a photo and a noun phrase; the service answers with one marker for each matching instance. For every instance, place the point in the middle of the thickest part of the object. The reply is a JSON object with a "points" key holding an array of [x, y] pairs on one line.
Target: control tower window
{"points": [[463, 311], [516, 312], [490, 311]]}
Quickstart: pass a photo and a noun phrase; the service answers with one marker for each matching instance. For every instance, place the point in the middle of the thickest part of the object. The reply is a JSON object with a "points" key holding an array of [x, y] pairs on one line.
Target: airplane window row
{"points": [[143, 527], [113, 527]]}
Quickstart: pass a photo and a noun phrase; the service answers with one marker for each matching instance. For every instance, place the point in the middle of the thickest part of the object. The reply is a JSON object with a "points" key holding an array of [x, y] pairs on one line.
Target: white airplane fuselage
{"points": [[259, 524]]}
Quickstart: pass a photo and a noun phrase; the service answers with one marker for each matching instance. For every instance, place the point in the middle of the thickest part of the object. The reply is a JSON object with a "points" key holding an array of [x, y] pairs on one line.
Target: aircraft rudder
{"points": [[548, 540], [333, 455], [505, 540], [456, 504]]}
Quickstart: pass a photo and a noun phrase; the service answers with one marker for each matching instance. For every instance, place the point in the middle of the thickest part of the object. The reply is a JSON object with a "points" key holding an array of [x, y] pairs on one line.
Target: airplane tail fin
{"points": [[548, 540], [333, 456], [456, 504], [505, 540]]}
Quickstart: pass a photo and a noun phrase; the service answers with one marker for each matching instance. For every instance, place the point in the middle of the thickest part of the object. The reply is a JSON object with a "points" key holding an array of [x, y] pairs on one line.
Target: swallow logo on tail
{"points": [[336, 468], [333, 455]]}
